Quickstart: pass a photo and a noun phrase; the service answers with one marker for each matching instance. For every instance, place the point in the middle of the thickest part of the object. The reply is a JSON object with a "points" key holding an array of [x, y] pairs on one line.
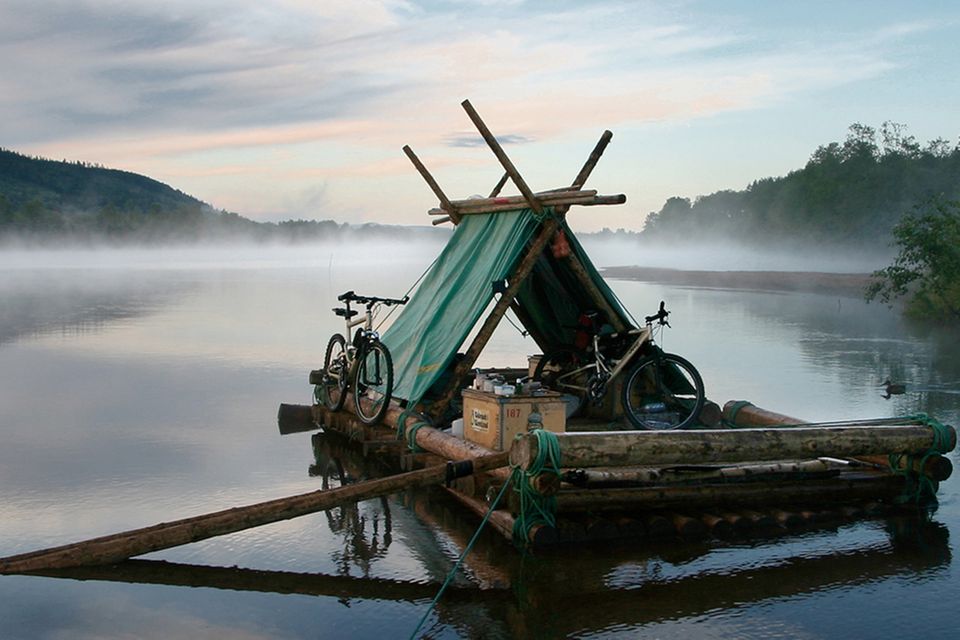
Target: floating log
{"points": [[935, 467], [716, 525], [739, 522], [842, 489], [120, 546], [647, 476], [295, 418], [687, 527], [648, 448], [788, 519]]}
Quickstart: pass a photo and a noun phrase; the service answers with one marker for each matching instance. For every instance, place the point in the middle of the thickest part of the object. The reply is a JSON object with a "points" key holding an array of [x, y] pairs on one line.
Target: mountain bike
{"points": [[660, 390], [361, 362]]}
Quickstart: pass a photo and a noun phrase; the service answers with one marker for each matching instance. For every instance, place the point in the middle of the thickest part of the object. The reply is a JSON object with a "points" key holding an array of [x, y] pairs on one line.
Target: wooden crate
{"points": [[493, 421]]}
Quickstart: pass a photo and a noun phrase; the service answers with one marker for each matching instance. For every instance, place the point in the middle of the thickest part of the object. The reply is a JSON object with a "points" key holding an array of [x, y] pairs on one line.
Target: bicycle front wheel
{"points": [[333, 386], [661, 392], [374, 383]]}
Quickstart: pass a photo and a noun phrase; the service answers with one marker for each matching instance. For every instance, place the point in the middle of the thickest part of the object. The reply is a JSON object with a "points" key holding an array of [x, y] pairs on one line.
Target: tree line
{"points": [[850, 193]]}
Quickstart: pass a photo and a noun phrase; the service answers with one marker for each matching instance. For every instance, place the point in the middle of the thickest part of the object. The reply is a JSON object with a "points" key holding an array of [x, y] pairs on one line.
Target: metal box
{"points": [[493, 421]]}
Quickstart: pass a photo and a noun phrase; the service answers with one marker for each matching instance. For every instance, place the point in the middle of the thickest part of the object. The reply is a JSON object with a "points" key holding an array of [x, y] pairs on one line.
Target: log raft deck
{"points": [[754, 470]]}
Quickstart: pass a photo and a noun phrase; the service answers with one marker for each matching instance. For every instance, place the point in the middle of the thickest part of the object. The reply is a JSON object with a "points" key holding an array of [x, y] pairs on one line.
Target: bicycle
{"points": [[661, 390], [363, 361]]}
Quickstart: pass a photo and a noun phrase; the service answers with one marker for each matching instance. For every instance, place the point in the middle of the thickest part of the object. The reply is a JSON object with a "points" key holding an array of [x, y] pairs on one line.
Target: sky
{"points": [[280, 109]]}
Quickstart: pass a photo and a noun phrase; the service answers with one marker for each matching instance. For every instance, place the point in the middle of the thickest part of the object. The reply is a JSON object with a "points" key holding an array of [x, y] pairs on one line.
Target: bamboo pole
{"points": [[648, 448], [936, 467], [120, 546]]}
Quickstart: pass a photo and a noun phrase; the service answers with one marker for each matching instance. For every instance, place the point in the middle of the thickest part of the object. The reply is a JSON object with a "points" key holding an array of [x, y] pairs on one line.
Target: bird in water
{"points": [[892, 388]]}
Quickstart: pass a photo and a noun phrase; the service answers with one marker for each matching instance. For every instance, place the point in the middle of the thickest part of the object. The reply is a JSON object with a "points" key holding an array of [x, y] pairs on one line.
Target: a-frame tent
{"points": [[522, 243]]}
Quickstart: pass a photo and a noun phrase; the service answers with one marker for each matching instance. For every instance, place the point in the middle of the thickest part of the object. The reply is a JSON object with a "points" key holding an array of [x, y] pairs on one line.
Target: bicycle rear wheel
{"points": [[374, 383], [561, 371], [662, 392], [333, 386]]}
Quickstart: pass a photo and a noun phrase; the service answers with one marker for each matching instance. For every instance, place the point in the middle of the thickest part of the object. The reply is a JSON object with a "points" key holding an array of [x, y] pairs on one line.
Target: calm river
{"points": [[139, 387]]}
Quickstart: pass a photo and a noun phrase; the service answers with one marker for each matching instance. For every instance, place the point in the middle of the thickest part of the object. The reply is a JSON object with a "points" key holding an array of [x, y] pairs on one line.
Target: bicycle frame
{"points": [[600, 363]]}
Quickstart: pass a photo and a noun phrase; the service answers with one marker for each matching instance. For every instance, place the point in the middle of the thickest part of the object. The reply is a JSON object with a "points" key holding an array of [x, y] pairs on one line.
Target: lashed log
{"points": [[859, 487], [120, 546], [649, 448], [935, 467]]}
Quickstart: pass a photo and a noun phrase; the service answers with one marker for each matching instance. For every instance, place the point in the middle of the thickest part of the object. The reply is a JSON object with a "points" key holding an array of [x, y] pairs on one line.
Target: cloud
{"points": [[474, 139], [213, 87]]}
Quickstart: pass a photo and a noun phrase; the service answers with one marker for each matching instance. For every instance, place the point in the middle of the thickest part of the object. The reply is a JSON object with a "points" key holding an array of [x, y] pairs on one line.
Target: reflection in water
{"points": [[366, 531], [78, 302]]}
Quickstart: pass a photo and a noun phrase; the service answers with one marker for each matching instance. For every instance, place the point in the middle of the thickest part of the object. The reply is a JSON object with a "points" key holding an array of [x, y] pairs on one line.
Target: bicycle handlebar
{"points": [[660, 316], [350, 296]]}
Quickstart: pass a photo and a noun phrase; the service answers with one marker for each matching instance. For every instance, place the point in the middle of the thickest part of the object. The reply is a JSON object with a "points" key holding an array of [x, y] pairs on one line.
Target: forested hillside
{"points": [[849, 194], [47, 201]]}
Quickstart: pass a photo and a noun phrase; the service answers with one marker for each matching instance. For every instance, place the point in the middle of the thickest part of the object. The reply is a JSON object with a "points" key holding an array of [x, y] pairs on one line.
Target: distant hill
{"points": [[49, 201], [76, 187]]}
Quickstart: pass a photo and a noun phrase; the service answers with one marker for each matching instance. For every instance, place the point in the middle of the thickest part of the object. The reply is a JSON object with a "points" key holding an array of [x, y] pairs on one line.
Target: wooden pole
{"points": [[523, 270], [498, 151], [120, 546], [649, 448], [936, 467], [444, 200]]}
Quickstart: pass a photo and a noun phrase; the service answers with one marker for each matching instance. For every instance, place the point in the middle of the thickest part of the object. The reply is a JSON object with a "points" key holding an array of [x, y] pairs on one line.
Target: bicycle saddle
{"points": [[344, 313]]}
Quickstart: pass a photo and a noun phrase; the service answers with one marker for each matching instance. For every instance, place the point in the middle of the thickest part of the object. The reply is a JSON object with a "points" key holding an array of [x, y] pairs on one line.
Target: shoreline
{"points": [[845, 284]]}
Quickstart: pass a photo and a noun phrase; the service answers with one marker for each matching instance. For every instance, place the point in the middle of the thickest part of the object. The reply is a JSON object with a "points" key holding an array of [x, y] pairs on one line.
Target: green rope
{"points": [[402, 421], [547, 214], [469, 547], [918, 487], [412, 437], [734, 410], [536, 508]]}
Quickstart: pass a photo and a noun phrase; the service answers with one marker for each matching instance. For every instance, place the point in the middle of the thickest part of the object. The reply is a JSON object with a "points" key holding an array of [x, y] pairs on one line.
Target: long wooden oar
{"points": [[120, 546]]}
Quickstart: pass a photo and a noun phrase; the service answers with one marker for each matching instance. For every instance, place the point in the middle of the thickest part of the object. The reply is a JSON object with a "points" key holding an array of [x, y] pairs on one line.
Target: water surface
{"points": [[139, 387]]}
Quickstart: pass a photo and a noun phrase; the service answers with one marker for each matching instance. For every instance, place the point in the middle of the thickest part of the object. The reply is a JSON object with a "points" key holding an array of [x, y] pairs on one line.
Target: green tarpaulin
{"points": [[426, 335], [448, 303]]}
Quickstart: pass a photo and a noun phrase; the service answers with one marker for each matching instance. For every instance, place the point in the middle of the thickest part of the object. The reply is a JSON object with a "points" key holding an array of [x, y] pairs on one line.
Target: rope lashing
{"points": [[411, 434], [735, 409], [536, 508]]}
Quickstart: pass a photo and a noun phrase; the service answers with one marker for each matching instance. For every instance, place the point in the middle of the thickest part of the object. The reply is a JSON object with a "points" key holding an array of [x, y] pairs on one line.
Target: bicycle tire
{"points": [[335, 373], [663, 392], [373, 384], [554, 365]]}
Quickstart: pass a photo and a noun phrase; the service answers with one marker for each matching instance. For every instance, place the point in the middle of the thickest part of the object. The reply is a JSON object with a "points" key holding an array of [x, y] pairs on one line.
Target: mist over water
{"points": [[603, 251]]}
